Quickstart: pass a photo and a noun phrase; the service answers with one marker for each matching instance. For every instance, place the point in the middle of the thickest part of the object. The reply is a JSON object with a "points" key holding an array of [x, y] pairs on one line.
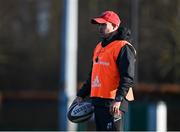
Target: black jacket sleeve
{"points": [[126, 66], [86, 88]]}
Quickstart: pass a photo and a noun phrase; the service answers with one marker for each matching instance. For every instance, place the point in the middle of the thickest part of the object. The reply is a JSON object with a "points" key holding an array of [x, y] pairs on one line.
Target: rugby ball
{"points": [[80, 112]]}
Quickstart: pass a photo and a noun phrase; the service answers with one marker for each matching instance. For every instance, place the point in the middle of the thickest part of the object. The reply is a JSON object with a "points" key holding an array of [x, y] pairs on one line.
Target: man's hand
{"points": [[114, 108], [78, 100]]}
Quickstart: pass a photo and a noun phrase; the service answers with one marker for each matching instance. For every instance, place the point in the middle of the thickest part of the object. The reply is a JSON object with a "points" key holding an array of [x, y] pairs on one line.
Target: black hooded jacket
{"points": [[125, 62]]}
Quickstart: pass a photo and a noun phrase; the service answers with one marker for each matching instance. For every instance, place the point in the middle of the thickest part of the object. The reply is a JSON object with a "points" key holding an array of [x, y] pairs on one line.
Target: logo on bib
{"points": [[96, 82]]}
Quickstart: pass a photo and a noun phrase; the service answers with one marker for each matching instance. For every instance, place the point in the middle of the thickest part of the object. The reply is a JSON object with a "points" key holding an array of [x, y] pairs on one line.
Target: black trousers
{"points": [[105, 121]]}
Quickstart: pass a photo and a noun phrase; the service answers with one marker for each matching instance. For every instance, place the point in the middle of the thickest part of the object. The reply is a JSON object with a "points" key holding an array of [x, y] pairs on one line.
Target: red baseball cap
{"points": [[107, 16]]}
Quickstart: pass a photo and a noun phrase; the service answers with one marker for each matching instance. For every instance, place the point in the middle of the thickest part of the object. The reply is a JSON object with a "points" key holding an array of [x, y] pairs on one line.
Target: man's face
{"points": [[106, 29]]}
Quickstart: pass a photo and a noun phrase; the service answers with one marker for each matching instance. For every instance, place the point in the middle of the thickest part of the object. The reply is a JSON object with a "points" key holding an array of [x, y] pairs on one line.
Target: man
{"points": [[110, 81]]}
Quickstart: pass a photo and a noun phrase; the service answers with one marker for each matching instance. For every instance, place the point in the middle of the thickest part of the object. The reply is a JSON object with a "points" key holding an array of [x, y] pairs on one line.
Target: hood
{"points": [[124, 34]]}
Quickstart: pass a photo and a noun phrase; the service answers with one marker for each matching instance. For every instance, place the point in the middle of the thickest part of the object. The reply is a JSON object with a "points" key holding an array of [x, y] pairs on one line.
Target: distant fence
{"points": [[38, 110]]}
